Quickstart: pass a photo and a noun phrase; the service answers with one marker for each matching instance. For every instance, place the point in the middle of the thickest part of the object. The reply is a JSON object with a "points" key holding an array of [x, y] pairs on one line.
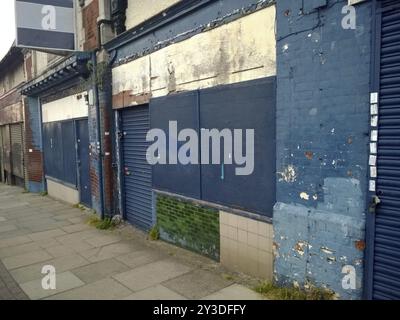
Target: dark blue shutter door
{"points": [[386, 268], [137, 171]]}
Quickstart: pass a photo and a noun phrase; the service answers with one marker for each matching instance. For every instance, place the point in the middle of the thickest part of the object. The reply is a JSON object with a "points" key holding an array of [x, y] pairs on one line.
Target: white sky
{"points": [[7, 26]]}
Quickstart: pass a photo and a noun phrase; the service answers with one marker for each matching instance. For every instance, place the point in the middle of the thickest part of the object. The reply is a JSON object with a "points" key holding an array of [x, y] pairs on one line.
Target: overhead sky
{"points": [[7, 26]]}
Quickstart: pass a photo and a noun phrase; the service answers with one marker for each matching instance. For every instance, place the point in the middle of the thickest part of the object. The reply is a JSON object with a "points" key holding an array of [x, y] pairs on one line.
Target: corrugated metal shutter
{"points": [[17, 157], [1, 155], [386, 264], [138, 173], [6, 148]]}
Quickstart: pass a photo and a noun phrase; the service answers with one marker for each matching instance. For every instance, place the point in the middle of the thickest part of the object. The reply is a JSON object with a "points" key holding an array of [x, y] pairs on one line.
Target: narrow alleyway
{"points": [[37, 231]]}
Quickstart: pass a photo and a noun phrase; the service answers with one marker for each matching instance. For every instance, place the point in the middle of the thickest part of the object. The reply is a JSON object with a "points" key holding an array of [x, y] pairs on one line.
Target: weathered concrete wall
{"points": [[11, 79], [322, 144], [71, 107], [62, 192], [140, 11], [238, 51], [11, 107]]}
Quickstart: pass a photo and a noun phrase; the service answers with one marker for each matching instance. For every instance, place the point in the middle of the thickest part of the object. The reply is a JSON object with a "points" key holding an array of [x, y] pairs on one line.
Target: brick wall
{"points": [[89, 18], [322, 144], [189, 225], [104, 85]]}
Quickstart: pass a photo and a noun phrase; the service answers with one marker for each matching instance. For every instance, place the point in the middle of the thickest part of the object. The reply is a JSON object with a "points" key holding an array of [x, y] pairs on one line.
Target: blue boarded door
{"points": [[83, 162]]}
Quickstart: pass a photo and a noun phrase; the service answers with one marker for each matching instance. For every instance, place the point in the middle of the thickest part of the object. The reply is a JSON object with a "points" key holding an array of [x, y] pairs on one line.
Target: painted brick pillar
{"points": [[33, 145], [106, 129], [95, 151], [322, 145]]}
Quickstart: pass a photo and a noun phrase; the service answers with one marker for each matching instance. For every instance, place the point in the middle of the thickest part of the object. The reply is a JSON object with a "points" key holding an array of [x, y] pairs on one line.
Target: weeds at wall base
{"points": [[273, 292], [106, 224]]}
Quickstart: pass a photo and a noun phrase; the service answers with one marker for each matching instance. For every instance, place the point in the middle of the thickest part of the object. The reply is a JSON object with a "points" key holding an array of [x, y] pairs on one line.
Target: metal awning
{"points": [[74, 66]]}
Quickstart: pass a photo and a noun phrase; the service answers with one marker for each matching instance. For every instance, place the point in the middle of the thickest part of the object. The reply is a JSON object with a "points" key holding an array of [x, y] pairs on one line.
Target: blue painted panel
{"points": [[68, 153], [249, 105], [59, 151], [182, 108]]}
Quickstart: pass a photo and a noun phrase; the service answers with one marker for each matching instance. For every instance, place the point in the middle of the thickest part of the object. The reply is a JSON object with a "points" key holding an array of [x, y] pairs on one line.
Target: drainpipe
{"points": [[98, 128]]}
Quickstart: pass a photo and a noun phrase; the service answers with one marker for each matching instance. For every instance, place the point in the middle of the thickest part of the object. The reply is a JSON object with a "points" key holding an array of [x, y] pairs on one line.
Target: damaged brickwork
{"points": [[322, 149]]}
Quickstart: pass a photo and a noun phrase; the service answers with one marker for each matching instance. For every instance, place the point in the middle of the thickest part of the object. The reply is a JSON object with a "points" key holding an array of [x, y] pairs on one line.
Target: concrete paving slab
{"points": [[64, 282], [14, 241], [26, 259], [18, 250], [95, 291], [78, 236], [62, 264], [14, 233], [158, 292], [76, 228], [7, 227], [47, 243], [197, 284], [78, 220], [94, 264], [11, 205], [99, 270], [102, 240], [60, 251], [152, 274], [78, 246], [9, 288], [109, 251], [140, 258], [47, 234]]}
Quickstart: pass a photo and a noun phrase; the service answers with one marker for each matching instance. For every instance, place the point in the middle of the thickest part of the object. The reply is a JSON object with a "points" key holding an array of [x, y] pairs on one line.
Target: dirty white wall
{"points": [[42, 61], [238, 51], [140, 11], [11, 79], [71, 107]]}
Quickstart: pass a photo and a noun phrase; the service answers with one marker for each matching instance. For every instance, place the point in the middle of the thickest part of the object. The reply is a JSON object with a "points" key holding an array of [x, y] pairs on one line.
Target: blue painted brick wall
{"points": [[322, 144]]}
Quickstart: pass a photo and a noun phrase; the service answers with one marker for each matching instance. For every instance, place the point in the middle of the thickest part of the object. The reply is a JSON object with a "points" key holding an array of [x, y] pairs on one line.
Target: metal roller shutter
{"points": [[6, 148], [386, 263], [1, 155], [17, 158], [138, 173]]}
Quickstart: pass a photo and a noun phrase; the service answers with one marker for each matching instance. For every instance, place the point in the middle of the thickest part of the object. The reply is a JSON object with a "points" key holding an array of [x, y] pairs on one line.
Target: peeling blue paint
{"points": [[322, 145]]}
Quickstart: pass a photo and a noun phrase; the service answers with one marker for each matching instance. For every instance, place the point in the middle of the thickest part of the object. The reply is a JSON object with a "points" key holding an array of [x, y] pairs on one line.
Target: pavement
{"points": [[37, 231]]}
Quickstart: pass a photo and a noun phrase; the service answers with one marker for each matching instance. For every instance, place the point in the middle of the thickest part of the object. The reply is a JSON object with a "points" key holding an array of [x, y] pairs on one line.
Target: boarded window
{"points": [[249, 105]]}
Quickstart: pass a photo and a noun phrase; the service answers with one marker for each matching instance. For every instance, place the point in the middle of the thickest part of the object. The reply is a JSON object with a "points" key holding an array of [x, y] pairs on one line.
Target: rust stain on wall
{"points": [[127, 99]]}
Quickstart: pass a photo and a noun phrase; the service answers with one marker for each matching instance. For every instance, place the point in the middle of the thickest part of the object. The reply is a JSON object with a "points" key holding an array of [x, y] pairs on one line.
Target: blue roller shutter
{"points": [[137, 171], [386, 261]]}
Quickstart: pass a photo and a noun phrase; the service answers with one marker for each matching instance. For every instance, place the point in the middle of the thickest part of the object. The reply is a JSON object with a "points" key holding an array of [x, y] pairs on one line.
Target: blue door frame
{"points": [[82, 141]]}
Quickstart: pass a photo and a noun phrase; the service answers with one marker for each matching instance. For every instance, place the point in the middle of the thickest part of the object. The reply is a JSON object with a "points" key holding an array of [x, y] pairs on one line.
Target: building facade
{"points": [[315, 203], [12, 77]]}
